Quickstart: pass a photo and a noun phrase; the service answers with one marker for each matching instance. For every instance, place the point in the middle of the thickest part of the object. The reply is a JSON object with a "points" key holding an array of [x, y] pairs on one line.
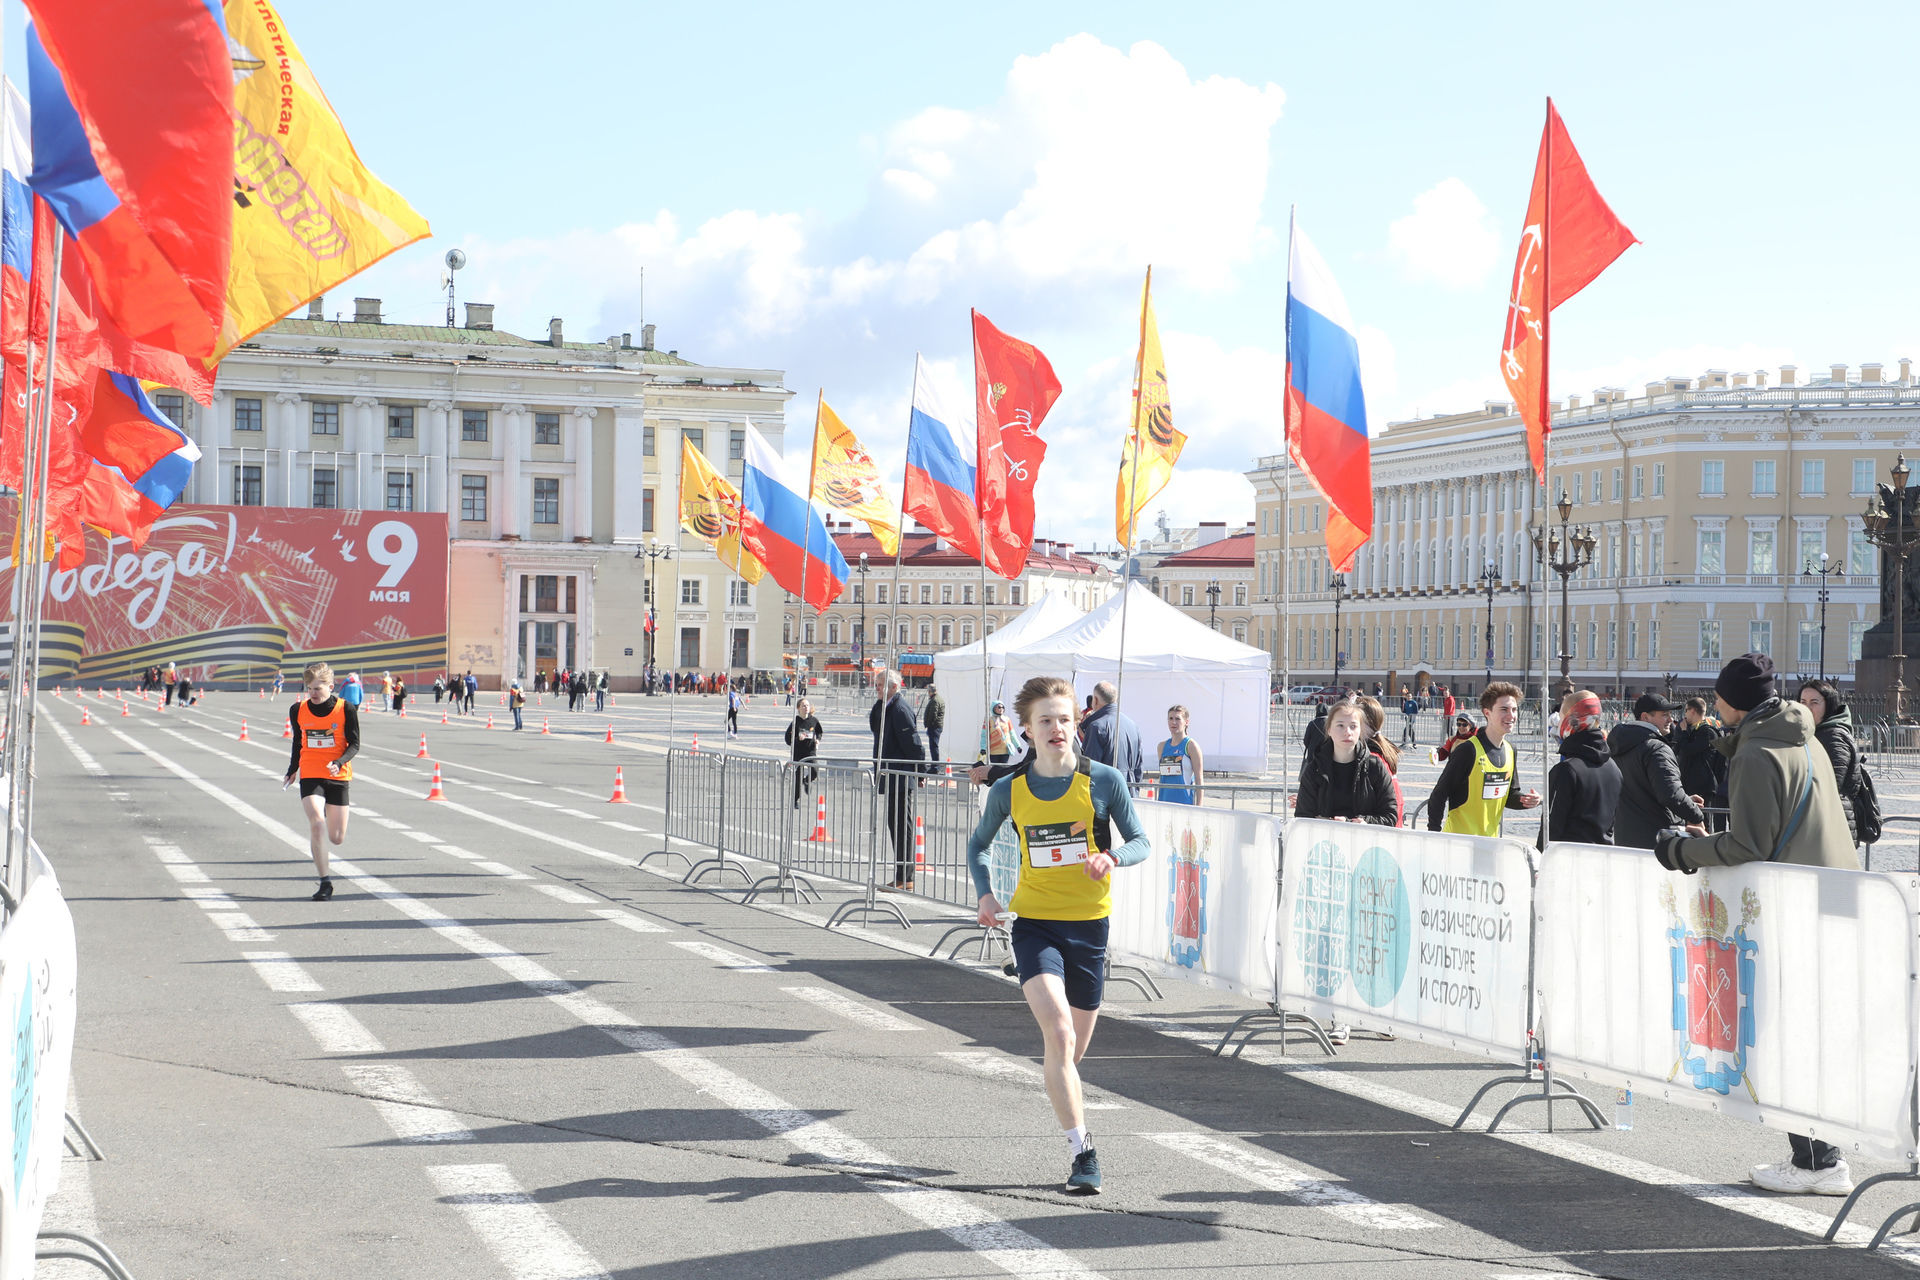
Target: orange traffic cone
{"points": [[612, 701], [56, 691], [243, 731], [443, 717], [436, 793], [85, 719], [546, 729], [123, 710], [696, 744], [609, 735], [820, 821], [489, 722], [421, 754], [263, 693], [619, 786], [919, 840], [286, 728]]}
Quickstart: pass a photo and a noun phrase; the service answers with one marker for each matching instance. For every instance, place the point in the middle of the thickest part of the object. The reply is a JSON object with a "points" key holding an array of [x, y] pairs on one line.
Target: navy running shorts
{"points": [[1074, 951], [334, 791]]}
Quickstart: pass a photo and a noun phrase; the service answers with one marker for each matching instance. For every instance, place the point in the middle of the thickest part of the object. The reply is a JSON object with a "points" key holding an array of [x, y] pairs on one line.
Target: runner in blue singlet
{"points": [[1181, 768]]}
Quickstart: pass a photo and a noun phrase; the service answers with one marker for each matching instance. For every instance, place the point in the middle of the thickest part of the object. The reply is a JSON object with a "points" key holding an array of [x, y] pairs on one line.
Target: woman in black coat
{"points": [[1833, 726], [1341, 779]]}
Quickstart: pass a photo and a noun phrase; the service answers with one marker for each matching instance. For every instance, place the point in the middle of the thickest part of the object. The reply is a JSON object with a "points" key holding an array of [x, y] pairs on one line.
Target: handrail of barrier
{"points": [[1866, 861]]}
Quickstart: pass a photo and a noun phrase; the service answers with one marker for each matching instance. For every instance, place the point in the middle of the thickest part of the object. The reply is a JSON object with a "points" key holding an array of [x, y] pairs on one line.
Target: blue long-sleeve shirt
{"points": [[1111, 801]]}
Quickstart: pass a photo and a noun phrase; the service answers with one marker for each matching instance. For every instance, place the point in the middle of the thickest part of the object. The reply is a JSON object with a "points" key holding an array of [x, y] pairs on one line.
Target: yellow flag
{"points": [[307, 214], [845, 479], [1152, 438], [710, 510]]}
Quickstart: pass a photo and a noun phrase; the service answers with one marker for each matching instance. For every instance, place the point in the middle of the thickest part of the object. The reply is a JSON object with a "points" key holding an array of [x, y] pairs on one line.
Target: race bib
{"points": [[1172, 775], [806, 735], [320, 739], [1056, 844], [1494, 787]]}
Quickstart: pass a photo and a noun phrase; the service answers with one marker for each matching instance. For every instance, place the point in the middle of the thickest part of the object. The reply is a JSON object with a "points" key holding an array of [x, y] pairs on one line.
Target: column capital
{"points": [[288, 397], [440, 406], [513, 406], [365, 402], [585, 411]]}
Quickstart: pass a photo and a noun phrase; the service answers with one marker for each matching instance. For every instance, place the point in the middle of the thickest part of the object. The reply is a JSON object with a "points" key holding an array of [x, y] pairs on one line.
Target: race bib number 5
{"points": [[1492, 788], [1056, 844], [320, 739]]}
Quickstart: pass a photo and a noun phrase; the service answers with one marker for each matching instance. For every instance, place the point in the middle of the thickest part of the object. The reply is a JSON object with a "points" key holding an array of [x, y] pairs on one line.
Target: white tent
{"points": [[956, 672], [1171, 659]]}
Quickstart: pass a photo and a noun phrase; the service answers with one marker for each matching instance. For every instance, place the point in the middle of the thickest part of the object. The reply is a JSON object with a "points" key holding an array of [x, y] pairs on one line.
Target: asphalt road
{"points": [[504, 1051]]}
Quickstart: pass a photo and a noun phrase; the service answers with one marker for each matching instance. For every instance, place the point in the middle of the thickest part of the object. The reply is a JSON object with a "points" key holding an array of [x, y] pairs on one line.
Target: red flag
{"points": [[1569, 237], [1014, 388], [25, 330]]}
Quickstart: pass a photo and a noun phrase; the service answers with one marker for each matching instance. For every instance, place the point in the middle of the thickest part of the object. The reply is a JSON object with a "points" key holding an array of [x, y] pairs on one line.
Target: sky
{"points": [[826, 190]]}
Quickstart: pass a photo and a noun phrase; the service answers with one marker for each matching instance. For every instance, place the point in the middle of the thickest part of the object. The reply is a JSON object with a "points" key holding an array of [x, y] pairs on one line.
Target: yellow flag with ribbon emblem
{"points": [[710, 511], [306, 213], [845, 479], [1152, 446]]}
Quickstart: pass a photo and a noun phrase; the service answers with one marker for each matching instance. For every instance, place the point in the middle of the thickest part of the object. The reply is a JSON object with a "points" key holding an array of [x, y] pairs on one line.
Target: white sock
{"points": [[1077, 1139]]}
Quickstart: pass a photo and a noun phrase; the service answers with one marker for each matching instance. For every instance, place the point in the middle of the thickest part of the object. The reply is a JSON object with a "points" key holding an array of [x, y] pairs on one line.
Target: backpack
{"points": [[1866, 808]]}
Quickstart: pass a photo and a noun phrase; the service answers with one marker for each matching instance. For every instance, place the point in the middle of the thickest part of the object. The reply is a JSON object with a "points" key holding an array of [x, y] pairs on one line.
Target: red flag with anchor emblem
{"points": [[1014, 388], [1569, 237]]}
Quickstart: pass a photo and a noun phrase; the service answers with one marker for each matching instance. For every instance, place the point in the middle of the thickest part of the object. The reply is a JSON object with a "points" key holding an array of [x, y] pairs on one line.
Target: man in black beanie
{"points": [[1785, 808]]}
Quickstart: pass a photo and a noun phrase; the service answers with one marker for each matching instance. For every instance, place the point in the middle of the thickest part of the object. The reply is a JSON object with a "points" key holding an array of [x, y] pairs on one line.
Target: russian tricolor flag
{"points": [[1326, 407], [783, 529], [942, 490]]}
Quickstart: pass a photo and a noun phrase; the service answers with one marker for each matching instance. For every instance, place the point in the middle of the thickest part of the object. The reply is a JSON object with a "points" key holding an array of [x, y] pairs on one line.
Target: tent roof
{"points": [[1047, 614], [1158, 635]]}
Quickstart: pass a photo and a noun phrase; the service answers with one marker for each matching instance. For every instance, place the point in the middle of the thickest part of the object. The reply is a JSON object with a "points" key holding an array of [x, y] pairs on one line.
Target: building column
{"points": [[585, 615], [580, 449], [529, 652], [366, 411], [513, 521], [441, 492], [279, 481]]}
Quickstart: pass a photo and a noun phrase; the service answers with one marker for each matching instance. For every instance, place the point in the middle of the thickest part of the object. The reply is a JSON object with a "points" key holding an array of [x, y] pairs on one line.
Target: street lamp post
{"points": [[1338, 585], [1824, 572], [1490, 579], [1213, 603], [1565, 551], [1886, 525], [653, 553], [860, 647]]}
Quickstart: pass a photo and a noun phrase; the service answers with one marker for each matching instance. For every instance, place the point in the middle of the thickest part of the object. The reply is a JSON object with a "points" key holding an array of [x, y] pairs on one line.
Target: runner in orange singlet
{"points": [[326, 737]]}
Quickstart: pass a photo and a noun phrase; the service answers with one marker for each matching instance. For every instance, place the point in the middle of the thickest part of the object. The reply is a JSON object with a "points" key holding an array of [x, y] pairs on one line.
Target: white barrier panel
{"points": [[1777, 993], [1200, 909], [38, 966], [1414, 932]]}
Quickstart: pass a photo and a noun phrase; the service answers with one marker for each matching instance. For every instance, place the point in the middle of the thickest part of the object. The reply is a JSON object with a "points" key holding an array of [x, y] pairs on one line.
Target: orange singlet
{"points": [[323, 739]]}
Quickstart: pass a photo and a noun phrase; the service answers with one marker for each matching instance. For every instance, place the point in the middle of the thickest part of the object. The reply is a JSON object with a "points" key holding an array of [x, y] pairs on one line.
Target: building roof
{"points": [[301, 327], [917, 548], [1235, 551]]}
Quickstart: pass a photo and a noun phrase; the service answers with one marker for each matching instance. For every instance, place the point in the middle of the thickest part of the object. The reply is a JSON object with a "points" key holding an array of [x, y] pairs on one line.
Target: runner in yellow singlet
{"points": [[1481, 780]]}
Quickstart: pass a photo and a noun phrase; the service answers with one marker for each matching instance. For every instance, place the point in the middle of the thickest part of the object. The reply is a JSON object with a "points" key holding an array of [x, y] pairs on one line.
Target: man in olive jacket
{"points": [[1786, 808]]}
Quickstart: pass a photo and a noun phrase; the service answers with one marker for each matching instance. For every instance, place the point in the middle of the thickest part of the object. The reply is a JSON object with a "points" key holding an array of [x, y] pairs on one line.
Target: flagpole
{"points": [[1133, 491], [900, 547], [1286, 538], [1546, 444], [980, 516], [805, 675]]}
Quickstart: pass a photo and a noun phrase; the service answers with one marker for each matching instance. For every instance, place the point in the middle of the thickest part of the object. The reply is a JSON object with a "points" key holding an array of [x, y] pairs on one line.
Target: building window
{"points": [[690, 647], [966, 632], [695, 436], [247, 490], [473, 497], [546, 428], [859, 593], [926, 634], [1860, 552], [1709, 643], [1657, 554], [1813, 477], [1639, 481], [473, 425], [1813, 545], [966, 594], [990, 593], [1633, 640], [1713, 552], [326, 488], [736, 444], [739, 593], [1763, 478], [946, 593], [646, 440], [546, 500], [246, 414], [946, 635], [1593, 641], [1013, 593], [1760, 558], [1760, 636], [786, 629], [1616, 484], [326, 417], [1613, 641], [400, 422], [833, 631], [1659, 479], [1186, 596], [173, 406], [399, 491], [646, 511], [1809, 645], [1653, 640], [1538, 637], [690, 591], [1579, 488], [926, 593], [1713, 477], [1862, 477], [1240, 594]]}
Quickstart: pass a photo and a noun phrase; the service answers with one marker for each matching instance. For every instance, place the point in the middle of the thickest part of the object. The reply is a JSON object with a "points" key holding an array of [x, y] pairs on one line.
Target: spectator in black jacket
{"points": [[1833, 727], [804, 734], [898, 758], [1316, 730], [1110, 736], [1344, 781], [1583, 790], [1703, 769], [1652, 797]]}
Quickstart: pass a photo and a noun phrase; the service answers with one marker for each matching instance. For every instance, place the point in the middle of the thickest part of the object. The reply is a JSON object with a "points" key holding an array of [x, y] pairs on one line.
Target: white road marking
{"points": [[281, 971], [565, 894], [334, 1029], [187, 873], [410, 1111], [457, 852], [501, 869], [171, 853], [525, 1239], [623, 826], [1263, 1170], [1024, 1073], [239, 926], [852, 1010], [424, 837], [388, 823], [1006, 1246], [721, 956], [72, 744], [208, 897], [627, 920], [575, 813]]}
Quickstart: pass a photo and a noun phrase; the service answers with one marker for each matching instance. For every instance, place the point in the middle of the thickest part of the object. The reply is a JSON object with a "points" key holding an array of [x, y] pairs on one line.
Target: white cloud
{"points": [[1448, 239]]}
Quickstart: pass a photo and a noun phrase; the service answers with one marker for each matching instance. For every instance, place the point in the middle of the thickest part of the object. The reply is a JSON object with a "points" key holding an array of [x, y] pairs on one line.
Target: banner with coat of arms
{"points": [[1706, 990]]}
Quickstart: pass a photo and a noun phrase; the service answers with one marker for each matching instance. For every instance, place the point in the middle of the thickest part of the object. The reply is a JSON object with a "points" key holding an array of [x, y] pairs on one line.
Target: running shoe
{"points": [[1834, 1180], [1339, 1033], [324, 892], [1085, 1178]]}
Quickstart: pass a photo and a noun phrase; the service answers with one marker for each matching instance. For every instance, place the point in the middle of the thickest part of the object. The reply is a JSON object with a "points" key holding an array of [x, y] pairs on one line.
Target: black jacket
{"points": [[804, 748], [935, 716], [1703, 771], [1652, 797], [1835, 733], [896, 739], [1371, 798], [1583, 791]]}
